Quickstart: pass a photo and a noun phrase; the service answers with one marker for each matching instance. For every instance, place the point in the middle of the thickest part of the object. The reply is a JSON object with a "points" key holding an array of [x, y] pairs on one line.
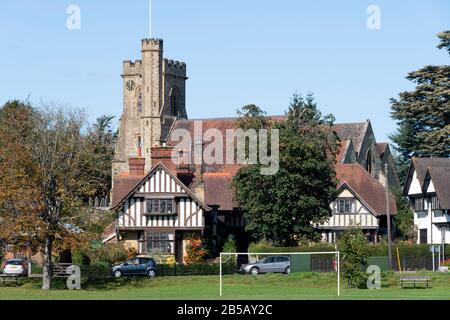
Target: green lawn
{"points": [[270, 286]]}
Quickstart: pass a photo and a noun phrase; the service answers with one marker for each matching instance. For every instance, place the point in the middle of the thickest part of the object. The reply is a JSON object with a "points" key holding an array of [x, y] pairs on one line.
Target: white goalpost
{"points": [[230, 254]]}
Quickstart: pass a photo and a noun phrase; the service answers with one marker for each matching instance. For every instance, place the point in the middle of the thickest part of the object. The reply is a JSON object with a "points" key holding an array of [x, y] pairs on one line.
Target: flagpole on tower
{"points": [[150, 17]]}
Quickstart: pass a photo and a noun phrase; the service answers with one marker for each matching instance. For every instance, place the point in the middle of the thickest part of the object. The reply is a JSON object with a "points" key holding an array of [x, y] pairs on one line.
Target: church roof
{"points": [[218, 177], [352, 131], [381, 147]]}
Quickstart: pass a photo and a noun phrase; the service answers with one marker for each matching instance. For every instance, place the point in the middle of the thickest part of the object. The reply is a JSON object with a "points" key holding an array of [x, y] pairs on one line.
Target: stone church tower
{"points": [[154, 96]]}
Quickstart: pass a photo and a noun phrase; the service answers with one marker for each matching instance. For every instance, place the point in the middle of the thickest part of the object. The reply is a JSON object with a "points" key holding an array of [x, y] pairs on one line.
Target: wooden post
{"points": [[388, 217]]}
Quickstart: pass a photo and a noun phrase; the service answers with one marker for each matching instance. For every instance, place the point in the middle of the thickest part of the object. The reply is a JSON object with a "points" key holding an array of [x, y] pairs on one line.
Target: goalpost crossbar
{"points": [[285, 254]]}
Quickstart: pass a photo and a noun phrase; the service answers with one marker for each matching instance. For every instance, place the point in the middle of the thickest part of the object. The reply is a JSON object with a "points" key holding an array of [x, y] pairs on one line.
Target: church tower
{"points": [[154, 96]]}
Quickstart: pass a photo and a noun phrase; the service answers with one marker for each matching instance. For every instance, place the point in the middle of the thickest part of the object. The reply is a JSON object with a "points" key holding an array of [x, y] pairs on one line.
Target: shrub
{"points": [[353, 246], [446, 263], [162, 258], [196, 269], [105, 254], [196, 252], [79, 258], [230, 247], [266, 246]]}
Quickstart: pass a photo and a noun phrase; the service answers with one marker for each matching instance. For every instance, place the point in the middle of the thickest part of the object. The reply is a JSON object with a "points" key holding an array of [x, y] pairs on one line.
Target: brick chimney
{"points": [[137, 167], [199, 188], [163, 154]]}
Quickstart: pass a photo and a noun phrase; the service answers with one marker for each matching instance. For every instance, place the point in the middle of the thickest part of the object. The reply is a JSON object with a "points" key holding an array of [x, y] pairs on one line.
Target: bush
{"points": [[353, 246], [196, 269], [446, 263], [230, 247], [162, 258], [265, 246], [105, 254], [196, 252]]}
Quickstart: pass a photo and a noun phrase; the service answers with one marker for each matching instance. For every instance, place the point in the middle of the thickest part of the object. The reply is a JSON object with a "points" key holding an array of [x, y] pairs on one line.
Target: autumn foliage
{"points": [[196, 252]]}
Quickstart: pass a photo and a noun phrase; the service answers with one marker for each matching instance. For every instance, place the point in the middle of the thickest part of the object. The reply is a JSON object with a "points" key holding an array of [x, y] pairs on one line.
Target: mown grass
{"points": [[235, 287]]}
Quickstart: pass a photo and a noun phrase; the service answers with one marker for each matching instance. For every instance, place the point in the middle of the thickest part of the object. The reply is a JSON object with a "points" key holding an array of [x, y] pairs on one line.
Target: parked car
{"points": [[15, 267], [269, 264], [135, 267]]}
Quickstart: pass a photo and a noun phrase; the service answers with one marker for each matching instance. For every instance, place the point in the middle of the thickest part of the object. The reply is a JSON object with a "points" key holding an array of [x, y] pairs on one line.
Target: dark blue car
{"points": [[135, 267]]}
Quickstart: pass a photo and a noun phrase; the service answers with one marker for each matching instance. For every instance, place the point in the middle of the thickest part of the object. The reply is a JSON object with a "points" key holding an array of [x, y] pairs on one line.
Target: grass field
{"points": [[271, 286]]}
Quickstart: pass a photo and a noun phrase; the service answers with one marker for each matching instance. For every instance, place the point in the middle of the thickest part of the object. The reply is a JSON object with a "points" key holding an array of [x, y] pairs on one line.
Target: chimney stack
{"points": [[199, 184], [163, 154], [137, 167]]}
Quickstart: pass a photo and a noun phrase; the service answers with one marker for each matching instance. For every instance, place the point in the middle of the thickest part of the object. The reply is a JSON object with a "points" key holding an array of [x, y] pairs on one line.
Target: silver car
{"points": [[269, 264]]}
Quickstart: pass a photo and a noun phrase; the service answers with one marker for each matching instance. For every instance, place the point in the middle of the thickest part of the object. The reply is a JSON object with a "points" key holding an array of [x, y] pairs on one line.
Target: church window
{"points": [[369, 162], [174, 109], [139, 103]]}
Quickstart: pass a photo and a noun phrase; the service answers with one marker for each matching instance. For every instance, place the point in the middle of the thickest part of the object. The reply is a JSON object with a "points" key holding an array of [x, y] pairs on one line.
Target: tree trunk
{"points": [[47, 274]]}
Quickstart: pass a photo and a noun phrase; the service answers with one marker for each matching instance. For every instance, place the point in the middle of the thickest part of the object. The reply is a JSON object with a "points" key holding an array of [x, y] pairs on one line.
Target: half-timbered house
{"points": [[159, 213], [361, 203], [427, 186]]}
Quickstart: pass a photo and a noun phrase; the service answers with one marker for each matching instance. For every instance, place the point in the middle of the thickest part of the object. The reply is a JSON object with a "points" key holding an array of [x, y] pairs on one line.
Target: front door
{"points": [[423, 236]]}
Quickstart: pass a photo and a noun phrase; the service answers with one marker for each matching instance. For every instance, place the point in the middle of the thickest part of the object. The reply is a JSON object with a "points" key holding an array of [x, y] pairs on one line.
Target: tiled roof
{"points": [[218, 177], [381, 147], [352, 131], [422, 164], [343, 148], [123, 184], [370, 190], [441, 181]]}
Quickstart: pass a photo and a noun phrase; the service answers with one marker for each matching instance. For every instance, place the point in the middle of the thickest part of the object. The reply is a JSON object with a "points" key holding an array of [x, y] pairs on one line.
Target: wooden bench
{"points": [[9, 278], [415, 280]]}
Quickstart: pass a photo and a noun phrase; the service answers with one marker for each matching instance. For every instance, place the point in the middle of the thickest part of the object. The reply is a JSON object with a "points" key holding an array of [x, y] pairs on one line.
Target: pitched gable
{"points": [[370, 190], [439, 182], [159, 181]]}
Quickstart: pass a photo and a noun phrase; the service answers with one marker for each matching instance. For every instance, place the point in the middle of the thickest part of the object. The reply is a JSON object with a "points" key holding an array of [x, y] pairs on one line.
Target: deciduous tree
{"points": [[284, 207], [47, 174]]}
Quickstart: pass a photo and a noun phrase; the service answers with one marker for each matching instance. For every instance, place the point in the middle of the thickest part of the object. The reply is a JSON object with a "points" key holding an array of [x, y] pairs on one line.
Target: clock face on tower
{"points": [[130, 85]]}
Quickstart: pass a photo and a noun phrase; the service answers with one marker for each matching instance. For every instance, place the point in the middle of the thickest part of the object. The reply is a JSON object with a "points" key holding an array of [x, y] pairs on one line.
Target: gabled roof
{"points": [[441, 181], [352, 131], [420, 166], [381, 147], [142, 180], [345, 147], [345, 186], [370, 190]]}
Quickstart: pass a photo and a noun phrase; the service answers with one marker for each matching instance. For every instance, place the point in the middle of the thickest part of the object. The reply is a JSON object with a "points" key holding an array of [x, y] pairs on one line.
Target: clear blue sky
{"points": [[237, 52]]}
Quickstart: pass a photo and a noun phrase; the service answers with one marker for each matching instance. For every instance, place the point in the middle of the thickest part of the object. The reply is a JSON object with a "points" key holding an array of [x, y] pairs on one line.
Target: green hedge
{"points": [[266, 247], [195, 269], [418, 250], [103, 270]]}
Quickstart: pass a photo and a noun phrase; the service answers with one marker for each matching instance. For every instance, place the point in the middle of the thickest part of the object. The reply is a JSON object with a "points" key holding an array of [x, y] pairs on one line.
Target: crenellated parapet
{"points": [[152, 44], [132, 67], [174, 67]]}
